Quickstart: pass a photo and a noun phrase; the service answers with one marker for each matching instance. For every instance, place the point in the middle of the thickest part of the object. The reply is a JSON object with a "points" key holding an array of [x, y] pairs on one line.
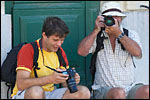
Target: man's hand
{"points": [[113, 30], [99, 23]]}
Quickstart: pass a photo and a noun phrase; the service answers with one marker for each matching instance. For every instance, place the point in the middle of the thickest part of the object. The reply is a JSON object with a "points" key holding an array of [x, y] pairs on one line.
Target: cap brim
{"points": [[114, 14]]}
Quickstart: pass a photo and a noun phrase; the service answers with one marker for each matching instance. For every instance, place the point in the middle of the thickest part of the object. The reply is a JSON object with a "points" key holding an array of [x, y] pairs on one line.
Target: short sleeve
{"points": [[25, 58], [92, 49], [134, 36]]}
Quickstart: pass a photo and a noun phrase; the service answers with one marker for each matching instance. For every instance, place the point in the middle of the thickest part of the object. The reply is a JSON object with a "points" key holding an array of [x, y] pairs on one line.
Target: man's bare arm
{"points": [[131, 46], [87, 42]]}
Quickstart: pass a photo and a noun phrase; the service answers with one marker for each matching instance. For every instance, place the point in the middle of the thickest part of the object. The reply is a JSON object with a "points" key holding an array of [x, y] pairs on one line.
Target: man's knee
{"points": [[145, 89], [116, 93], [142, 92], [34, 92]]}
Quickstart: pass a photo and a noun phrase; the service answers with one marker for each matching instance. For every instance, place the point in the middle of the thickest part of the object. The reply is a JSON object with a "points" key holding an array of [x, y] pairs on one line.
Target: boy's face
{"points": [[52, 43]]}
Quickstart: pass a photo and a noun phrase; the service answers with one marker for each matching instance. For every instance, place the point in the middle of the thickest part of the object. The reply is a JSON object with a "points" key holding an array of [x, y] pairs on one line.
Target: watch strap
{"points": [[120, 36]]}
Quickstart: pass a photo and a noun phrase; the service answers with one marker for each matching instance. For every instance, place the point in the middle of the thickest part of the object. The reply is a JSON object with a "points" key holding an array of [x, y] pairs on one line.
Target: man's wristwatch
{"points": [[120, 36]]}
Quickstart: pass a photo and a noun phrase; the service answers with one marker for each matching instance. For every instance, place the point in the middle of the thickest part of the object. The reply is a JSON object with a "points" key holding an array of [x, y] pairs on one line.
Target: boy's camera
{"points": [[71, 83], [109, 20]]}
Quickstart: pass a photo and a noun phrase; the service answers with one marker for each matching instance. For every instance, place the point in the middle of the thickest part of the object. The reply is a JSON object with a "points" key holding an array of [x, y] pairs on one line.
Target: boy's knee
{"points": [[34, 92], [84, 92]]}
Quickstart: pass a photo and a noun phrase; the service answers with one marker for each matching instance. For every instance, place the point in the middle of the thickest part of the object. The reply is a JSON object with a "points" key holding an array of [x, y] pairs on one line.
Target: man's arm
{"points": [[131, 46], [87, 42]]}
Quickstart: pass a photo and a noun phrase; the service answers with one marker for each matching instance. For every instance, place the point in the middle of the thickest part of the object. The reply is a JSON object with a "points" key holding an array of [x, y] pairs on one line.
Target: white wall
{"points": [[6, 38], [6, 41], [2, 7], [139, 22]]}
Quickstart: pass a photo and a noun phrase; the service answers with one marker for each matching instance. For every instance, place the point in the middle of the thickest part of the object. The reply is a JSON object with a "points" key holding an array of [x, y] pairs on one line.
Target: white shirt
{"points": [[114, 69]]}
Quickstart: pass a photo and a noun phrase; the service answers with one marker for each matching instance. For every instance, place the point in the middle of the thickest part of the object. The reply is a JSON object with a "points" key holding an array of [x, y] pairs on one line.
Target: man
{"points": [[27, 86], [114, 76]]}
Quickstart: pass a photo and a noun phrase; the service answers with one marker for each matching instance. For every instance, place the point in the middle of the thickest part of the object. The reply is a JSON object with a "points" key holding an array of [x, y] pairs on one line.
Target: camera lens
{"points": [[109, 20], [71, 83]]}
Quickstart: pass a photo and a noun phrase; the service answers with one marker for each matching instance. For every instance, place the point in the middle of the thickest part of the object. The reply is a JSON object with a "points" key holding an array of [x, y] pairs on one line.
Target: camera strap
{"points": [[61, 59]]}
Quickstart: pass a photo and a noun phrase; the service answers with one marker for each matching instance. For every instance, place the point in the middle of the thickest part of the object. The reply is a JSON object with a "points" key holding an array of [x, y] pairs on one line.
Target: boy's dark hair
{"points": [[54, 25]]}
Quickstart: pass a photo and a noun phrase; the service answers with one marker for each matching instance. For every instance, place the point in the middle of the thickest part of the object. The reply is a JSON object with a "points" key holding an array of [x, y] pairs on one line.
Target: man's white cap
{"points": [[112, 9]]}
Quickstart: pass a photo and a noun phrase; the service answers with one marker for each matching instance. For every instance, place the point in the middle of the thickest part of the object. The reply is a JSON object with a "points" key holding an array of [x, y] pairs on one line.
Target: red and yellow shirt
{"points": [[25, 62]]}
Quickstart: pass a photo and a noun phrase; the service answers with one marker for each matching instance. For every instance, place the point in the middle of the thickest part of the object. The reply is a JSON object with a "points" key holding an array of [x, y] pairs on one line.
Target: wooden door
{"points": [[79, 16]]}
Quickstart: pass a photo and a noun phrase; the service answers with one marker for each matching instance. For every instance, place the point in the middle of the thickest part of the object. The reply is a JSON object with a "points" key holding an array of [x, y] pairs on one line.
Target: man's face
{"points": [[52, 43], [119, 18]]}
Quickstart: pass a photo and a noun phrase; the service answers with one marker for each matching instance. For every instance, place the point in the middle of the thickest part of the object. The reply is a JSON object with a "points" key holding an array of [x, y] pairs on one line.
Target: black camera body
{"points": [[109, 20], [71, 83]]}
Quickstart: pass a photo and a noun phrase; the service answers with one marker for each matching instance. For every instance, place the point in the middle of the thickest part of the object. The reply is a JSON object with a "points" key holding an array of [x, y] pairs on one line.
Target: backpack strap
{"points": [[35, 58], [62, 57], [125, 31], [99, 46]]}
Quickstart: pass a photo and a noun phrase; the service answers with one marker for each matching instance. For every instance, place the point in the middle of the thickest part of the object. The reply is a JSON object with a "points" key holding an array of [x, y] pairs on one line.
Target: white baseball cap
{"points": [[112, 9]]}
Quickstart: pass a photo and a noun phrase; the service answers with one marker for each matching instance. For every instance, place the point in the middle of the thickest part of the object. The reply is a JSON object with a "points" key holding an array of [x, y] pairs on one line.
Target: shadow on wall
{"points": [[139, 22]]}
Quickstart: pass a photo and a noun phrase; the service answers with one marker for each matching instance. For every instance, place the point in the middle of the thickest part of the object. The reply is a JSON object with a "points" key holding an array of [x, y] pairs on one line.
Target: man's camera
{"points": [[71, 83], [109, 20]]}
